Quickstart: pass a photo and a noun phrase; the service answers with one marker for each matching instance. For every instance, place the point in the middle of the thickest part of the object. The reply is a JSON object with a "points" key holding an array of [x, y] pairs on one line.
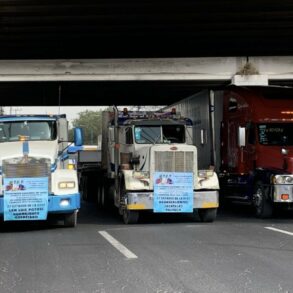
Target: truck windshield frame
{"points": [[31, 130], [275, 134], [159, 134]]}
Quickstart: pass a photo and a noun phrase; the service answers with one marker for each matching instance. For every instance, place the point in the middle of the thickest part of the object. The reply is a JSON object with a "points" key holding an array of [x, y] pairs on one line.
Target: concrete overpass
{"points": [[127, 81], [136, 52]]}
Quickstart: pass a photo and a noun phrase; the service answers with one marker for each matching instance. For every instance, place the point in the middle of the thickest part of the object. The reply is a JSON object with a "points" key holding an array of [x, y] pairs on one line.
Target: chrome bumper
{"points": [[144, 200]]}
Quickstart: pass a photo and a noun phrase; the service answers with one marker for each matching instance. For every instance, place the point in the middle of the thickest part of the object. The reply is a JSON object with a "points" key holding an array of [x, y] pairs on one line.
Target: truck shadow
{"points": [[241, 212], [90, 214]]}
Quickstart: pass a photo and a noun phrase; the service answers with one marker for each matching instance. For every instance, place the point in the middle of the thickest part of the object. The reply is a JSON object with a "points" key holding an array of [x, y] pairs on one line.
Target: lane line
{"points": [[279, 230], [119, 246]]}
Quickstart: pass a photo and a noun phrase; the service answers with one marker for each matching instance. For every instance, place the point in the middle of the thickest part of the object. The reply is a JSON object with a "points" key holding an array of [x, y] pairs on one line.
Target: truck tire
{"points": [[207, 215], [99, 196], [130, 217], [70, 220], [261, 202], [84, 188]]}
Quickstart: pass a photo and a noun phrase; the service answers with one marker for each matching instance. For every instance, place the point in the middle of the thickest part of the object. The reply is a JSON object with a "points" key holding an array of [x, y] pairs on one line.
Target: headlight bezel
{"points": [[283, 179], [205, 173]]}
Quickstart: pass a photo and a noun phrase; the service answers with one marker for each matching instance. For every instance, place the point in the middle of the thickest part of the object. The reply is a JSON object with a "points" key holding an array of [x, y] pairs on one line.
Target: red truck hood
{"points": [[271, 157]]}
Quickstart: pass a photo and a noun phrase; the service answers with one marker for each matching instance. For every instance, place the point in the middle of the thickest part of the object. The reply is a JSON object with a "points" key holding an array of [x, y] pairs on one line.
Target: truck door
{"points": [[232, 149], [62, 128]]}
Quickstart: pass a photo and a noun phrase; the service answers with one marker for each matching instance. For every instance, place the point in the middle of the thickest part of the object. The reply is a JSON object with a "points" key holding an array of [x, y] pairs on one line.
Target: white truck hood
{"points": [[41, 149]]}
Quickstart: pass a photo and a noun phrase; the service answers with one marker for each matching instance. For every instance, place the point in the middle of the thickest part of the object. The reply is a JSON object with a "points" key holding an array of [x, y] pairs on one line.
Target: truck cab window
{"points": [[33, 130], [174, 133], [147, 134], [276, 134]]}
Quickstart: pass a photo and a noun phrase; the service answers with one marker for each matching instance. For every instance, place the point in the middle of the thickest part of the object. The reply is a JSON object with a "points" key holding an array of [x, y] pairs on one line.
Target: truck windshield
{"points": [[30, 130], [159, 134], [276, 134]]}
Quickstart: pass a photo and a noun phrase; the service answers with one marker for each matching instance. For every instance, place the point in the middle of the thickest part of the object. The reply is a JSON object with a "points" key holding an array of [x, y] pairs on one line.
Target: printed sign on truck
{"points": [[173, 192], [25, 199]]}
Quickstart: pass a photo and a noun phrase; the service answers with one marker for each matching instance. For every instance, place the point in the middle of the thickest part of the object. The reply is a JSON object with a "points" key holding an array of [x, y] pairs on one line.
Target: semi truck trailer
{"points": [[246, 132]]}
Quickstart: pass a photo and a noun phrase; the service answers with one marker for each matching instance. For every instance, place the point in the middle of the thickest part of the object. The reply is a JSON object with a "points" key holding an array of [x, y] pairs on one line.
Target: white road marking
{"points": [[120, 247], [279, 230]]}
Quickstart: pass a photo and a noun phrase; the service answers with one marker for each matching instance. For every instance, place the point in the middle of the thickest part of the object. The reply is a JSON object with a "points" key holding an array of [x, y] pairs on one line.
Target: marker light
{"points": [[23, 137], [125, 111], [285, 196], [70, 166]]}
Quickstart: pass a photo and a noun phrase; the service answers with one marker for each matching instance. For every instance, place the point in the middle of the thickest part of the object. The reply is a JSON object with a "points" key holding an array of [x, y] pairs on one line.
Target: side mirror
{"points": [[78, 136], [241, 136]]}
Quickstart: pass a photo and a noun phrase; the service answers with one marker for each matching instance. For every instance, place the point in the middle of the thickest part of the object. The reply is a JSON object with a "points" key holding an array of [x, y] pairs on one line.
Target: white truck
{"points": [[37, 177], [150, 164]]}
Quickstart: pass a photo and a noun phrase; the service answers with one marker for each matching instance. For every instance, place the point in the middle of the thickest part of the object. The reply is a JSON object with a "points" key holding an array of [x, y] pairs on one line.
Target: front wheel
{"points": [[207, 215], [262, 205], [130, 217], [70, 220]]}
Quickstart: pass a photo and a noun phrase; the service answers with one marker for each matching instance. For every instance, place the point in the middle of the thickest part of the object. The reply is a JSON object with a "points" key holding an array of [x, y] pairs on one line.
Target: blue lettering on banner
{"points": [[25, 198], [173, 192]]}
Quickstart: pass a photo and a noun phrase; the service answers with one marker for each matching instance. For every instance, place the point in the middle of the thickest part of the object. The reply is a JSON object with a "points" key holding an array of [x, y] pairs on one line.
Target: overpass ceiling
{"points": [[100, 29], [45, 29]]}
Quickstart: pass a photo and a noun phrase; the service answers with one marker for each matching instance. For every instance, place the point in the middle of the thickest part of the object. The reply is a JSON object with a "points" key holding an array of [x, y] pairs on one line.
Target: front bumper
{"points": [[65, 203], [144, 200]]}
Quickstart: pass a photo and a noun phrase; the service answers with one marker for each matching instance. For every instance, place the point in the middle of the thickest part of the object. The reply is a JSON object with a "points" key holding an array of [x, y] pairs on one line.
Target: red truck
{"points": [[247, 133]]}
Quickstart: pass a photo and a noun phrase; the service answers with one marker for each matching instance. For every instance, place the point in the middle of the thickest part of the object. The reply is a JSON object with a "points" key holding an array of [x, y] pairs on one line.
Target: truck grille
{"points": [[27, 167], [174, 161]]}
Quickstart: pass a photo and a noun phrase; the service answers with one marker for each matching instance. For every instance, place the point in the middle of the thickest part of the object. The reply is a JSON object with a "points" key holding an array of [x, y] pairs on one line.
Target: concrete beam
{"points": [[193, 69]]}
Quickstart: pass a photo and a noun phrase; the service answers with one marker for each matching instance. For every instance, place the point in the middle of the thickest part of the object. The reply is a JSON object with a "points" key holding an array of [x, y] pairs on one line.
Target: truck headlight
{"points": [[66, 185], [205, 173], [283, 179], [141, 175]]}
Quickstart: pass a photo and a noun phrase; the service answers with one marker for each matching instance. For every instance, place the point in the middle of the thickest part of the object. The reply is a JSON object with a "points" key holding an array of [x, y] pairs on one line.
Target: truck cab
{"points": [[36, 176], [257, 147], [145, 147]]}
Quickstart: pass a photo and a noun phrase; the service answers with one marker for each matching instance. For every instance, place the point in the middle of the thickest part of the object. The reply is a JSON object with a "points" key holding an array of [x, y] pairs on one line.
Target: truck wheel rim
{"points": [[258, 198]]}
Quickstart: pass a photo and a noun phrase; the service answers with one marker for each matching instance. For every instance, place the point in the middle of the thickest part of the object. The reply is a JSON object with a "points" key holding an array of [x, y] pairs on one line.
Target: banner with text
{"points": [[173, 192], [25, 199]]}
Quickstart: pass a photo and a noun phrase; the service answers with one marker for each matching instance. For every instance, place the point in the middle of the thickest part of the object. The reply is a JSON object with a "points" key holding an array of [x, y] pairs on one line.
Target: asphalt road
{"points": [[162, 254]]}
